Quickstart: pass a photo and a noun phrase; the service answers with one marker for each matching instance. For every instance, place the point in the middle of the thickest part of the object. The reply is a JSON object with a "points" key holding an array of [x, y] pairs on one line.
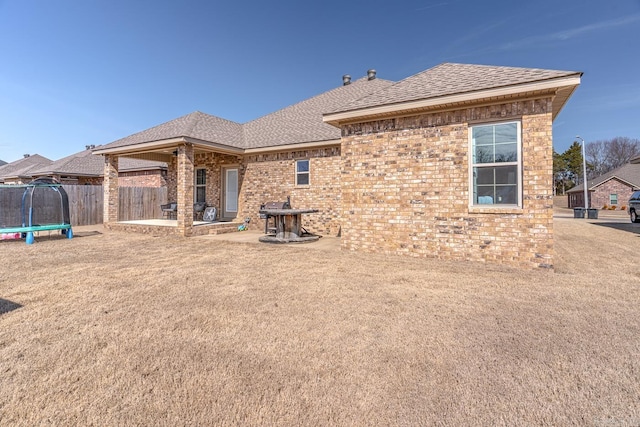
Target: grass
{"points": [[121, 329]]}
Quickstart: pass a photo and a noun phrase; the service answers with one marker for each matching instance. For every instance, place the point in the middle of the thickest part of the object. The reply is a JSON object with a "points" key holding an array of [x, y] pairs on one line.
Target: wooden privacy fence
{"points": [[141, 202], [86, 203]]}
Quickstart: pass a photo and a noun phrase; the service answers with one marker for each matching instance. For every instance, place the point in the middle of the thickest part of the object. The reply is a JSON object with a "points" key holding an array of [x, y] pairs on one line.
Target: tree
{"points": [[567, 168], [573, 159], [606, 155], [596, 154], [560, 177]]}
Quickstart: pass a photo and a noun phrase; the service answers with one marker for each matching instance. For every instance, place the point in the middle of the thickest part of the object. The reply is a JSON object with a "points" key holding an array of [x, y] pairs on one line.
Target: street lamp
{"points": [[584, 173]]}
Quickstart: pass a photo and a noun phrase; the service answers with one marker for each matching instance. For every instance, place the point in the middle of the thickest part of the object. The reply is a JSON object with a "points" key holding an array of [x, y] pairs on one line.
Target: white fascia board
{"points": [[456, 98], [145, 146], [290, 147], [214, 146], [167, 143]]}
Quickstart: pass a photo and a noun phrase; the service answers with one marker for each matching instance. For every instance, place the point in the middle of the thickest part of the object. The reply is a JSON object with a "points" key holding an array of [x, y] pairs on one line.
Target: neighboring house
{"points": [[2, 163], [454, 162], [19, 172], [613, 188], [83, 168]]}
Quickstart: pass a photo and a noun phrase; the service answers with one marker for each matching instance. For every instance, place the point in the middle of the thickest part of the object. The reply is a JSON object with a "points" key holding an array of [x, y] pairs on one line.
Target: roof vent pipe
{"points": [[346, 80], [371, 74]]}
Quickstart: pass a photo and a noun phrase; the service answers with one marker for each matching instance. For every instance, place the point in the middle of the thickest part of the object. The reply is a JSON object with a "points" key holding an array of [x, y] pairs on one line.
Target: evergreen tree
{"points": [[573, 160]]}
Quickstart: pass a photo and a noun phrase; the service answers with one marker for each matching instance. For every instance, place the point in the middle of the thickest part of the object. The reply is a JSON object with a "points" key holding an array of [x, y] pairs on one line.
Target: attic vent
{"points": [[90, 147], [371, 74], [26, 155], [346, 80]]}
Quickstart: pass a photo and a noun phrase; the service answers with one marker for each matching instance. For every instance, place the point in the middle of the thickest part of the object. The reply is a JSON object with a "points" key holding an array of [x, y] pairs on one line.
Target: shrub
{"points": [[605, 207], [623, 208], [612, 208]]}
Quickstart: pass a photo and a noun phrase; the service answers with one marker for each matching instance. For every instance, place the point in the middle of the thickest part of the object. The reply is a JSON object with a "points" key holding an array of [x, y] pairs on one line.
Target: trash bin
{"points": [[592, 213], [578, 212]]}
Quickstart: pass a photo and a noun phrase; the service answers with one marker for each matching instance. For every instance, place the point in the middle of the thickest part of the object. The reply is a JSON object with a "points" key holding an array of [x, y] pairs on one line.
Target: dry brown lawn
{"points": [[117, 329]]}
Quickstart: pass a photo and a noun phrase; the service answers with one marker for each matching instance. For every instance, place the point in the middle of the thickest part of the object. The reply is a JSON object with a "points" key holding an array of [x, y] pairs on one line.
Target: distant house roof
{"points": [[84, 163], [22, 168], [2, 163], [635, 160], [629, 173], [449, 83]]}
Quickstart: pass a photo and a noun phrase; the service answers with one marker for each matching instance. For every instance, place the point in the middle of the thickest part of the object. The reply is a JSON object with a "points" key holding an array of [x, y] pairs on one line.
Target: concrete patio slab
{"points": [[328, 243]]}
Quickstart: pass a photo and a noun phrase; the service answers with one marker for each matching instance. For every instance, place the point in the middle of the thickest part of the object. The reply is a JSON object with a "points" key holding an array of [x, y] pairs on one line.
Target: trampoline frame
{"points": [[28, 228]]}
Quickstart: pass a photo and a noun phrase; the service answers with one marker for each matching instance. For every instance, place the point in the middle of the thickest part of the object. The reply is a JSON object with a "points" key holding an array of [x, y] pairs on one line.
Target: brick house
{"points": [[613, 188], [83, 168], [454, 162]]}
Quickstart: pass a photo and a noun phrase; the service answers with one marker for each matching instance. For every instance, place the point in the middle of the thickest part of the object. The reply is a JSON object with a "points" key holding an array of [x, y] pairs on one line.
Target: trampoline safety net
{"points": [[41, 202]]}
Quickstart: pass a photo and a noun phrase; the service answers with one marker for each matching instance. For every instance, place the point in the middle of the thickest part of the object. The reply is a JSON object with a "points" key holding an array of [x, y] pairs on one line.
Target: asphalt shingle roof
{"points": [[302, 122], [22, 167], [452, 79], [194, 125], [84, 163], [629, 173]]}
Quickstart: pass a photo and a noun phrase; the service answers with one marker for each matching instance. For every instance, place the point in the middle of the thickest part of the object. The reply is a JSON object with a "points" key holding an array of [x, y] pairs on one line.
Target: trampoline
{"points": [[41, 205]]}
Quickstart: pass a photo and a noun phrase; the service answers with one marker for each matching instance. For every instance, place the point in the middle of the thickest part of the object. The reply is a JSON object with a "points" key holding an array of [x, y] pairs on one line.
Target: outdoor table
{"points": [[288, 223]]}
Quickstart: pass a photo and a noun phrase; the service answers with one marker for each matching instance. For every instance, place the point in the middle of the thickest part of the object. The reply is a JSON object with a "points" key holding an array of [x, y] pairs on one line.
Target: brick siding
{"points": [[405, 188], [272, 177], [600, 195], [149, 178]]}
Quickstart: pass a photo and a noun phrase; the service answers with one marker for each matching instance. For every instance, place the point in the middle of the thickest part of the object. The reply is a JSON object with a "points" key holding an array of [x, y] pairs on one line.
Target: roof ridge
{"points": [[194, 118], [450, 78], [359, 81]]}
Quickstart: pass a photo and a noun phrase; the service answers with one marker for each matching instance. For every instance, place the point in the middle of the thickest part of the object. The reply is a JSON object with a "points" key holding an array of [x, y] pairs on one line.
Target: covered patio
{"points": [[201, 168]]}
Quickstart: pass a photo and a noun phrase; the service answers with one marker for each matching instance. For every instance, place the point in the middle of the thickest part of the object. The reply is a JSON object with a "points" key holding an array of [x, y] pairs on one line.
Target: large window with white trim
{"points": [[496, 164]]}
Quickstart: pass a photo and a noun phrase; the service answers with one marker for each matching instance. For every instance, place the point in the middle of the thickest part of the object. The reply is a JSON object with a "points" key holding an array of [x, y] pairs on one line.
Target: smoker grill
{"points": [[272, 205]]}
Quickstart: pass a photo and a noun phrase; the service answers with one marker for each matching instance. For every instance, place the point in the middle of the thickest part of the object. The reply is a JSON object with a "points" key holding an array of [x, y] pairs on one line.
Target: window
{"points": [[613, 199], [201, 185], [496, 164], [302, 172]]}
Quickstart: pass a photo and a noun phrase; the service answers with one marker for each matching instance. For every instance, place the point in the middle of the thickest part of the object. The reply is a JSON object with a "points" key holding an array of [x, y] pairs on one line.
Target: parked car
{"points": [[634, 207]]}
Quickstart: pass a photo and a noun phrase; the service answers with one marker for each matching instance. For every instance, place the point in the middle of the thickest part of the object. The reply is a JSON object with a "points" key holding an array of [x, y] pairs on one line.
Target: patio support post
{"points": [[110, 188], [185, 189]]}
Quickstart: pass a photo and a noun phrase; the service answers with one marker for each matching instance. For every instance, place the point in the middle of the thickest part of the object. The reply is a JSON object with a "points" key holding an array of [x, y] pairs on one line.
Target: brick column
{"points": [[110, 188], [185, 189]]}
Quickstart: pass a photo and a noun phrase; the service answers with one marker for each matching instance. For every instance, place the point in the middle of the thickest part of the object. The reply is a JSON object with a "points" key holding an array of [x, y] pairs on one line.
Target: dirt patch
{"points": [[125, 329]]}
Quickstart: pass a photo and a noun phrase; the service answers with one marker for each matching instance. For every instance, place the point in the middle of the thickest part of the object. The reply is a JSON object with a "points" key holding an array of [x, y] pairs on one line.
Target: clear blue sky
{"points": [[74, 73]]}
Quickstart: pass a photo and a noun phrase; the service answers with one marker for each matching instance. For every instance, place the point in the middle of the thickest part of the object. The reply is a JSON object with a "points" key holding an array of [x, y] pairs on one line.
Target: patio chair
{"points": [[198, 210], [169, 210]]}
